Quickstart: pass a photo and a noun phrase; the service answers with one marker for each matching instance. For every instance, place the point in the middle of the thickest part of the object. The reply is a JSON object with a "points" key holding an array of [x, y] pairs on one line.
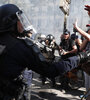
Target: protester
{"points": [[85, 46], [68, 48], [67, 45]]}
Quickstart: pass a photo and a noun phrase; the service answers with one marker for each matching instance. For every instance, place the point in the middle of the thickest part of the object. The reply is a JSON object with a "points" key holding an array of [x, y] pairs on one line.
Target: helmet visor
{"points": [[28, 28]]}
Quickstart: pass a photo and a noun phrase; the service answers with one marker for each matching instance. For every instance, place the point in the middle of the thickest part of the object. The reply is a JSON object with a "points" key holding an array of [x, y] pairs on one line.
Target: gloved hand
{"points": [[84, 61], [84, 56]]}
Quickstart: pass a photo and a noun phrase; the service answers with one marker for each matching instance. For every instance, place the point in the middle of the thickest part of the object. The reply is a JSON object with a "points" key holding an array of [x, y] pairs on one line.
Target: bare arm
{"points": [[83, 33], [74, 50], [78, 41], [82, 47]]}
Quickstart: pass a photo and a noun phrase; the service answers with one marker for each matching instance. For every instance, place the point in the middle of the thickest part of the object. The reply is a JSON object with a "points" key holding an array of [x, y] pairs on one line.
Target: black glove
{"points": [[86, 67], [84, 56]]}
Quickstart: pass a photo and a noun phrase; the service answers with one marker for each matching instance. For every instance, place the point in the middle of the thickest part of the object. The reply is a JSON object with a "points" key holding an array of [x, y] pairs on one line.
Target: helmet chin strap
{"points": [[23, 34]]}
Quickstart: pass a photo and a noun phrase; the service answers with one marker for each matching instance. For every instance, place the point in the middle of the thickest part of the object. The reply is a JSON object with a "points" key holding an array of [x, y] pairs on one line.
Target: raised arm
{"points": [[87, 8], [83, 33]]}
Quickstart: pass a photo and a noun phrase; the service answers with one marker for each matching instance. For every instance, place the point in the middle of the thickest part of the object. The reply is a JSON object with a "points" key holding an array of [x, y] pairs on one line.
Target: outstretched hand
{"points": [[87, 7]]}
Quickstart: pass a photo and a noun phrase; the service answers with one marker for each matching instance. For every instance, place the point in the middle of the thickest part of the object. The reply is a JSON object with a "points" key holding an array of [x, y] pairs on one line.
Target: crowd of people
{"points": [[69, 46], [19, 54]]}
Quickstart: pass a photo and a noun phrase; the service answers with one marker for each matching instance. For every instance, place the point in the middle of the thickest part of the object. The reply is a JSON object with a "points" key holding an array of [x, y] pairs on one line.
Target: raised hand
{"points": [[87, 7]]}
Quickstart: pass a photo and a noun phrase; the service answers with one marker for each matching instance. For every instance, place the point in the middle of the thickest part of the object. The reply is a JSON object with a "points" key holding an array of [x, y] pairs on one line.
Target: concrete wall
{"points": [[47, 18]]}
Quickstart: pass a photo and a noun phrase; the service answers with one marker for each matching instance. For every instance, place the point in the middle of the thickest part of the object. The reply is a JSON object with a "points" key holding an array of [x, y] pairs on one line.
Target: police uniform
{"points": [[17, 56]]}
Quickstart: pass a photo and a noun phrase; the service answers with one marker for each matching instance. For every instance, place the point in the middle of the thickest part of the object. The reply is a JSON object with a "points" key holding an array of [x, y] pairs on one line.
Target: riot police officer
{"points": [[17, 53], [49, 42]]}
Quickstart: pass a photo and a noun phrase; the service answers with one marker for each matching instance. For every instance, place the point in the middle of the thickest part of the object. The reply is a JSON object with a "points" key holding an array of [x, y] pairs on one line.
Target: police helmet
{"points": [[43, 36], [50, 37], [8, 16]]}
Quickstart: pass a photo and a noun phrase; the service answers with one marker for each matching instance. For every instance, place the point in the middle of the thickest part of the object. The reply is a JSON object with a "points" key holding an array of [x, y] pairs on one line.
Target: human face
{"points": [[20, 27], [47, 42], [66, 36]]}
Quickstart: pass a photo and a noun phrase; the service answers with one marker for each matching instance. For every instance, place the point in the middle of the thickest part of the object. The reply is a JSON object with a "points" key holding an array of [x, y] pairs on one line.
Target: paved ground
{"points": [[47, 92]]}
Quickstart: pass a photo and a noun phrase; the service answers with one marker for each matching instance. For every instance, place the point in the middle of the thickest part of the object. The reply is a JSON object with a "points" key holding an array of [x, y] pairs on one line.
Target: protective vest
{"points": [[35, 48]]}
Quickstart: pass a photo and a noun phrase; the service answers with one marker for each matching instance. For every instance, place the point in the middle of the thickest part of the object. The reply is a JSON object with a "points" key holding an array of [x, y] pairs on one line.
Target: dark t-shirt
{"points": [[67, 45]]}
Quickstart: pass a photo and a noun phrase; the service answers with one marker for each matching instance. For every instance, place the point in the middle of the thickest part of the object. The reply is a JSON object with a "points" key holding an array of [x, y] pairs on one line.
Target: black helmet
{"points": [[8, 16], [50, 37]]}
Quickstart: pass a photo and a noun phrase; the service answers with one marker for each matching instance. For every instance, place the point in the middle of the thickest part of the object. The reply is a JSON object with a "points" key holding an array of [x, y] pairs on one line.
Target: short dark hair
{"points": [[66, 32]]}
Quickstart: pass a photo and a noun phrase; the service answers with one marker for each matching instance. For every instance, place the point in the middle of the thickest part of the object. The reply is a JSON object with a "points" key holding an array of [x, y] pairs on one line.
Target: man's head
{"points": [[12, 19], [66, 34], [49, 38], [8, 17]]}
